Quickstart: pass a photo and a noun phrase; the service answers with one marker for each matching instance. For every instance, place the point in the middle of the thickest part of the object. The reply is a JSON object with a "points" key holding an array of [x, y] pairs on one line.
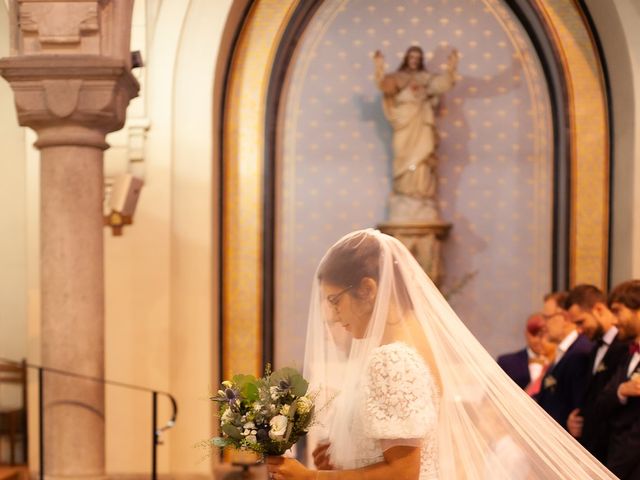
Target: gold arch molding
{"points": [[244, 133], [589, 140]]}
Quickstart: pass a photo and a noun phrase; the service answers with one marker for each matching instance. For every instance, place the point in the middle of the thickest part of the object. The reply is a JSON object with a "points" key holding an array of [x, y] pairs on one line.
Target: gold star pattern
{"points": [[494, 182]]}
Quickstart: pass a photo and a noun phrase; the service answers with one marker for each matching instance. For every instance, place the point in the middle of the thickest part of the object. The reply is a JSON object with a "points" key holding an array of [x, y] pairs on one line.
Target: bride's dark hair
{"points": [[356, 258], [348, 262]]}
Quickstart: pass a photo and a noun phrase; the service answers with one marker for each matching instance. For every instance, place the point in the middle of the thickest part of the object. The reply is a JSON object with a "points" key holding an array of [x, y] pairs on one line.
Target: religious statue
{"points": [[410, 100], [411, 96]]}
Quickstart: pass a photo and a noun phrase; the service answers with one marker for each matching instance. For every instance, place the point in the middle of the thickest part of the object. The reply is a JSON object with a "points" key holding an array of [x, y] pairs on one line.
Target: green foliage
{"points": [[220, 442], [267, 415], [299, 385], [232, 431], [248, 386]]}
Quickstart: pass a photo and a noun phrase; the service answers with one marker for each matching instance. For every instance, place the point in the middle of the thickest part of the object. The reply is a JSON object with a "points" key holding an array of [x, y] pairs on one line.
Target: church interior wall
{"points": [[161, 285], [616, 22], [494, 157], [160, 330]]}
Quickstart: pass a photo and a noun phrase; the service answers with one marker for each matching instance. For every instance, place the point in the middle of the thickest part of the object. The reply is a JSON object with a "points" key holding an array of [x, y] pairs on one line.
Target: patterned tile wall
{"points": [[494, 169]]}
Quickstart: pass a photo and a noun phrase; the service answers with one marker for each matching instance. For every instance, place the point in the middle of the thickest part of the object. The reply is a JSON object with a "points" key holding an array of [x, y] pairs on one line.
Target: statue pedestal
{"points": [[424, 240]]}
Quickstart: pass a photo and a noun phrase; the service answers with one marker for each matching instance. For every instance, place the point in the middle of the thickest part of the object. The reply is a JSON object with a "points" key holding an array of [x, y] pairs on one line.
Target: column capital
{"points": [[71, 99], [70, 68]]}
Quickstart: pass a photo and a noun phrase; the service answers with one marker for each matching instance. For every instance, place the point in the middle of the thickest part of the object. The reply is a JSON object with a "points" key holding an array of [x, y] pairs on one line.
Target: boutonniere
{"points": [[601, 368], [550, 381]]}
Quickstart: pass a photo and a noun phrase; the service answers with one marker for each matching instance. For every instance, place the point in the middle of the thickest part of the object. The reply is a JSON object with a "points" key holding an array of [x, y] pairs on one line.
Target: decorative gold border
{"points": [[243, 160], [589, 134]]}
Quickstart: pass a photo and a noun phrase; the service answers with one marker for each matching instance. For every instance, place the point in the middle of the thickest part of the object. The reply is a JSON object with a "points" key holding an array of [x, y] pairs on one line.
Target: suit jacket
{"points": [[516, 365], [624, 437], [564, 384], [596, 429]]}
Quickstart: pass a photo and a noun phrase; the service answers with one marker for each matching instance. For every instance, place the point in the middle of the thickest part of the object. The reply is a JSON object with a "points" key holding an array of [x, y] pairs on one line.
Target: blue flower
{"points": [[228, 395], [262, 435]]}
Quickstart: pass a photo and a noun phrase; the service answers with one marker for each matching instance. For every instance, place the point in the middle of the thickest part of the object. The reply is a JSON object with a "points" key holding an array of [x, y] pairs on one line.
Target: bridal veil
{"points": [[487, 426]]}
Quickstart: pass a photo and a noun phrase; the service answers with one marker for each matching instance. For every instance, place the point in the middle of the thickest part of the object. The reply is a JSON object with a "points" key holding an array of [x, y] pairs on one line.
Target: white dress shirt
{"points": [[535, 368], [633, 363], [564, 345]]}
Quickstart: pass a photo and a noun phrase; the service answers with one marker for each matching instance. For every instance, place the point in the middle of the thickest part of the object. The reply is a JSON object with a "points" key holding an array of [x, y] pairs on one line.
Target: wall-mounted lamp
{"points": [[122, 202]]}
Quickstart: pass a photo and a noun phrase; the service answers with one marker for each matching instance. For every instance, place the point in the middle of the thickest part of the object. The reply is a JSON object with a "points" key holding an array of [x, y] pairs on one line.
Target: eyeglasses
{"points": [[334, 298]]}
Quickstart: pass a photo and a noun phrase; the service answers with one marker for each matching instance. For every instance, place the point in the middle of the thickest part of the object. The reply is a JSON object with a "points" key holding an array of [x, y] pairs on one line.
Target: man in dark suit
{"points": [[527, 364], [619, 404], [587, 308], [563, 385]]}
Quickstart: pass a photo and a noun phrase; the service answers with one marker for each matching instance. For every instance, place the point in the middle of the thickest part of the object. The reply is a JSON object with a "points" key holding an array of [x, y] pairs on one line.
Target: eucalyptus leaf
{"points": [[231, 430], [278, 375], [241, 380], [288, 374], [299, 386], [250, 392], [220, 442]]}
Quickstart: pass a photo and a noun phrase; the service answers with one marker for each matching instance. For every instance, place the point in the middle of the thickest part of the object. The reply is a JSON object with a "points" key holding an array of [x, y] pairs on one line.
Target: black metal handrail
{"points": [[156, 431]]}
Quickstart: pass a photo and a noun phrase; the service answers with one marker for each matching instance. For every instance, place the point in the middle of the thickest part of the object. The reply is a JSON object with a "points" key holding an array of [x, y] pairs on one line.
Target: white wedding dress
{"points": [[393, 365], [399, 401]]}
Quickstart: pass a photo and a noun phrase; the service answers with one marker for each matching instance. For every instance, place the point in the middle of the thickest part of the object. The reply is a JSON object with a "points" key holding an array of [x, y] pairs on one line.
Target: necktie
{"points": [[634, 348], [534, 387]]}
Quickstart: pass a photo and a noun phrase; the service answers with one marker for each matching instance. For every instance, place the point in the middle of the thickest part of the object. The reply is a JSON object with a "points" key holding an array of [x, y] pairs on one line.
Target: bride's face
{"points": [[346, 308]]}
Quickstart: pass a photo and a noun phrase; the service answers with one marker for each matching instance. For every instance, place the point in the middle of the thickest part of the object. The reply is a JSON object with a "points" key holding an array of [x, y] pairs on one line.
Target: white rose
{"points": [[278, 426], [304, 405], [252, 439], [249, 425]]}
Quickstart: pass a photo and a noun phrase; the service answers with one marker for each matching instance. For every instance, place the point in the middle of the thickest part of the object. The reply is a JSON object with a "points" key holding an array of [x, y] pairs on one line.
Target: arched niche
{"points": [[255, 78]]}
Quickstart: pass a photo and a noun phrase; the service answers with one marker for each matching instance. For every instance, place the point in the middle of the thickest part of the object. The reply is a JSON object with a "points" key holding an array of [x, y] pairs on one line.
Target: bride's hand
{"points": [[321, 458], [281, 468]]}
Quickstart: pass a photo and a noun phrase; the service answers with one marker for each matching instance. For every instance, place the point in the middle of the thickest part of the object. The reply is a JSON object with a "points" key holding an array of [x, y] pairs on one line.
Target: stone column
{"points": [[70, 73]]}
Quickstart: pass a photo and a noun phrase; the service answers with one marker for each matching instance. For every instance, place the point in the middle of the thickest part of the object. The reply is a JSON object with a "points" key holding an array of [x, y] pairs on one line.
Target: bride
{"points": [[411, 394]]}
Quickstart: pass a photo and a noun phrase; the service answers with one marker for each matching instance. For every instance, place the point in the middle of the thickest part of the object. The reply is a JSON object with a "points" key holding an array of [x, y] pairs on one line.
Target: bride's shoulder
{"points": [[397, 371], [398, 357], [395, 350]]}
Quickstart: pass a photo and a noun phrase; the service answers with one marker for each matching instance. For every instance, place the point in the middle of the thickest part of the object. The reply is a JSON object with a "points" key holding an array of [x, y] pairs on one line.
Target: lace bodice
{"points": [[398, 406]]}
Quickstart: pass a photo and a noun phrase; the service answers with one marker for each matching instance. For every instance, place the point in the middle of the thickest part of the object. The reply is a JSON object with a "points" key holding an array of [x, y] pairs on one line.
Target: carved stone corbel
{"points": [[70, 100]]}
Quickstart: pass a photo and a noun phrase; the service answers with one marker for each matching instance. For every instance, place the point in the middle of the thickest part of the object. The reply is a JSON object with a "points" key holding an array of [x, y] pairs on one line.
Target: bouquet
{"points": [[266, 415]]}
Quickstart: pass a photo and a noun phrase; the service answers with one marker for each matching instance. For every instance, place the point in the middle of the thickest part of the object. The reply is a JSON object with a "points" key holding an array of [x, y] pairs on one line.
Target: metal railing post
{"points": [[41, 419], [154, 432]]}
